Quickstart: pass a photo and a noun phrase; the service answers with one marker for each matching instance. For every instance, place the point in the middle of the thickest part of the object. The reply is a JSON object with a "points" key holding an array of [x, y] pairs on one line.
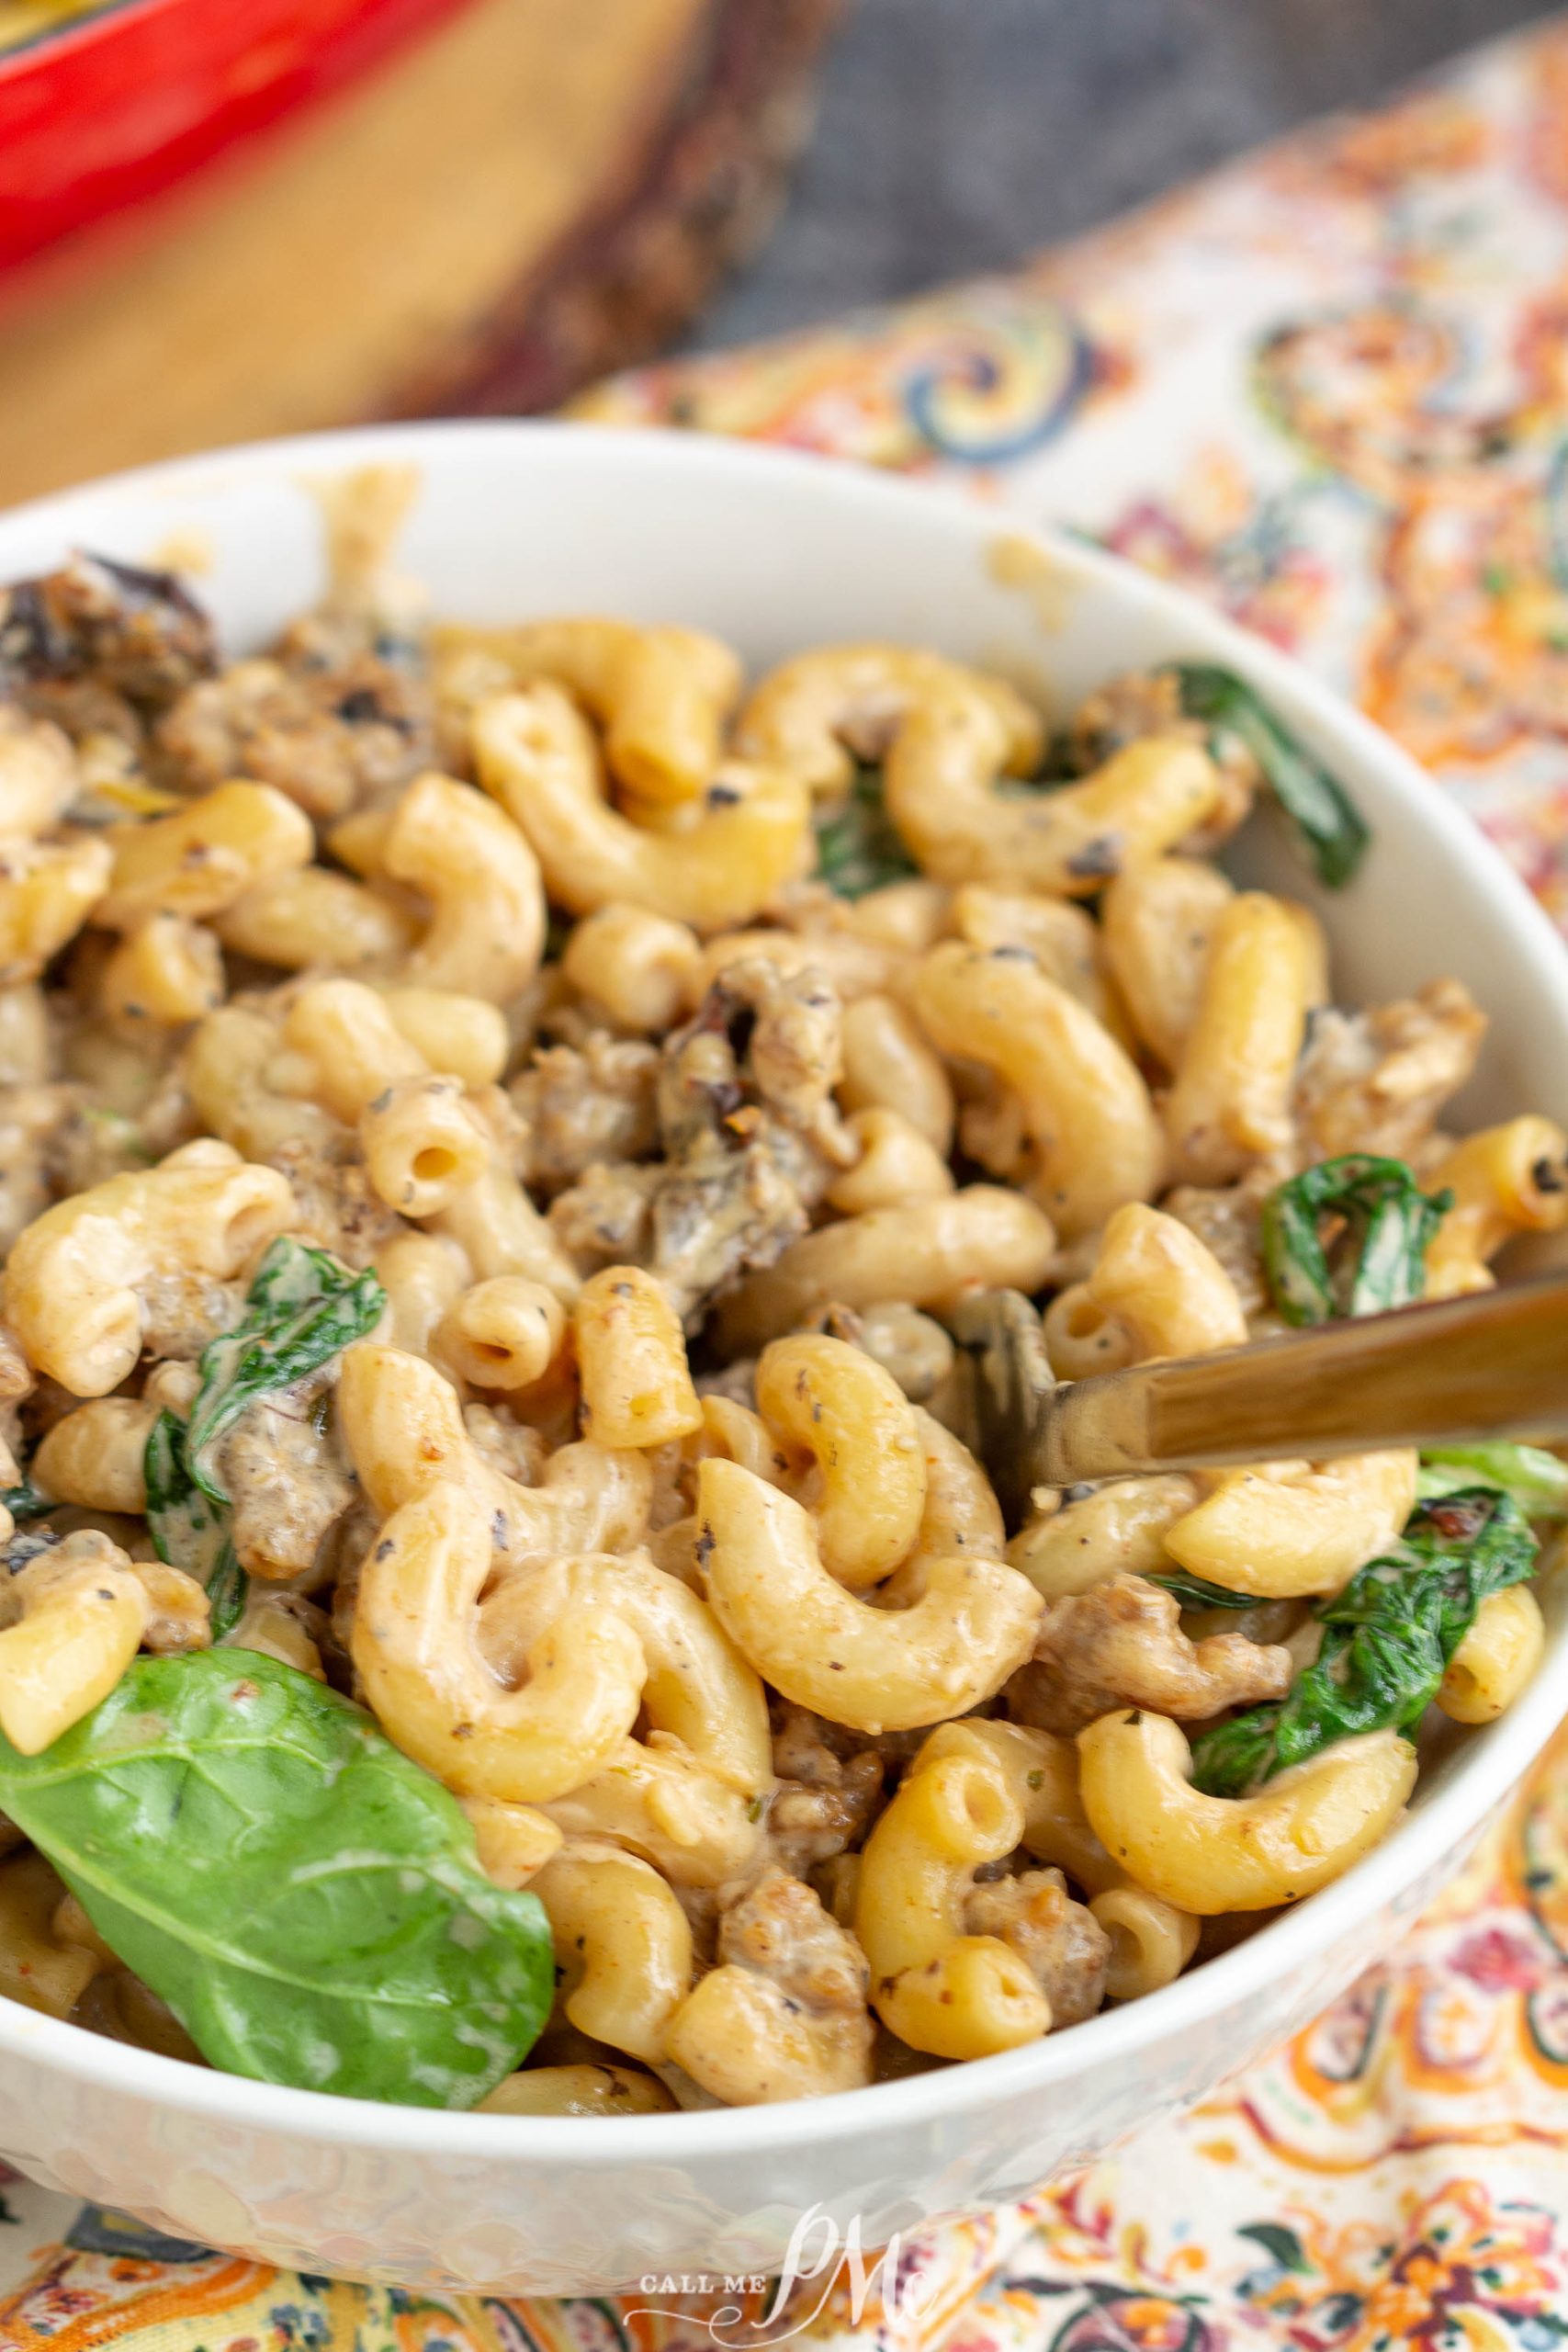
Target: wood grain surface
{"points": [[543, 190]]}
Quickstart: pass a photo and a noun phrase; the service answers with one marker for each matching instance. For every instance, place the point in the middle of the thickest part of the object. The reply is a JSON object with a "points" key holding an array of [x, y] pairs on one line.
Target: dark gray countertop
{"points": [[958, 135]]}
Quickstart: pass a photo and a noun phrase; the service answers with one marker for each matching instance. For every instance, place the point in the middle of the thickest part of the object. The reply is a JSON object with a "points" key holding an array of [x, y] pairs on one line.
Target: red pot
{"points": [[111, 109]]}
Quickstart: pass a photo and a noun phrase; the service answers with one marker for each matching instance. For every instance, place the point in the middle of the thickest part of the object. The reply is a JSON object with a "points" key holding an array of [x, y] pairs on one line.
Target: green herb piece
{"points": [[1387, 1640], [1536, 1480], [188, 1529], [1236, 1757], [306, 1900], [119, 1139], [1328, 828], [857, 848], [25, 1501], [1380, 1260], [1197, 1592], [304, 1309], [228, 1590]]}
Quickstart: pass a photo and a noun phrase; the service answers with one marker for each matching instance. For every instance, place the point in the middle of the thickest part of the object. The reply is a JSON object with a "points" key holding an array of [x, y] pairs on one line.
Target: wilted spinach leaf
{"points": [[1328, 827], [303, 1309], [1536, 1480], [306, 1899], [188, 1529], [857, 848], [1197, 1592], [25, 1501], [1387, 1640], [1381, 1258]]}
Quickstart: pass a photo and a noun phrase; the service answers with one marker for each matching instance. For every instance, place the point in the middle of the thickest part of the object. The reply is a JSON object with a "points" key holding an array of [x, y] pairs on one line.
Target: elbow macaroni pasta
{"points": [[1086, 1108], [77, 1281], [662, 694], [1298, 1527], [1158, 920], [1496, 1658], [935, 1986], [1155, 1290], [751, 834], [1505, 1181], [584, 993], [1210, 1855], [875, 1670], [1231, 1100]]}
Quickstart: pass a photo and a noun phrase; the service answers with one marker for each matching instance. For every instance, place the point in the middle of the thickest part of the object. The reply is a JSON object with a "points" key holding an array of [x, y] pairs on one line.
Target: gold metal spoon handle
{"points": [[1491, 1364]]}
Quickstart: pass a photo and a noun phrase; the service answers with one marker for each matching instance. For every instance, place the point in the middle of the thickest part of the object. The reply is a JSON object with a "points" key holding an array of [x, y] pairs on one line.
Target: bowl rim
{"points": [[1480, 1780]]}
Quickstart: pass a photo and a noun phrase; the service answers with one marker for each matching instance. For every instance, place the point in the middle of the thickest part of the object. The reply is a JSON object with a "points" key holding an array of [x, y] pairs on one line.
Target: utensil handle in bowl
{"points": [[1491, 1365]]}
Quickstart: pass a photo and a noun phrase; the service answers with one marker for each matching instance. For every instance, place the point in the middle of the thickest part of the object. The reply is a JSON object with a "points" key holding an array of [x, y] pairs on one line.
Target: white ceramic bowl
{"points": [[776, 553]]}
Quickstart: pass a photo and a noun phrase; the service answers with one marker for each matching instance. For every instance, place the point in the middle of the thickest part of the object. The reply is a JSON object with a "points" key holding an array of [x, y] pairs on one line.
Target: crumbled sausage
{"points": [[331, 740], [777, 1927], [139, 635], [586, 1105], [1227, 1220], [748, 1137], [1376, 1081], [829, 1789], [284, 1469], [1120, 1644], [1060, 1942]]}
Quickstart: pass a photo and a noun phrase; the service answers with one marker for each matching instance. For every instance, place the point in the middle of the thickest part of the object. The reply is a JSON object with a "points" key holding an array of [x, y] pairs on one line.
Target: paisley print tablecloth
{"points": [[1328, 389]]}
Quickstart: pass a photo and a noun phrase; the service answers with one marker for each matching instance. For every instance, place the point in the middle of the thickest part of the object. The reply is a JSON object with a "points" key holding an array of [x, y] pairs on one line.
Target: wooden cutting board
{"points": [[540, 191]]}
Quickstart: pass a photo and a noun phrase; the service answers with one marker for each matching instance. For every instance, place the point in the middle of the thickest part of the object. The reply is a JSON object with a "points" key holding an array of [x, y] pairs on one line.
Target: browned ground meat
{"points": [[1120, 1644], [775, 1927], [1060, 1942], [587, 1105], [33, 1119], [1227, 1221], [748, 1137], [830, 1787], [1138, 703], [139, 634], [339, 1209], [331, 739], [288, 1479], [604, 1219], [1376, 1081], [182, 1309]]}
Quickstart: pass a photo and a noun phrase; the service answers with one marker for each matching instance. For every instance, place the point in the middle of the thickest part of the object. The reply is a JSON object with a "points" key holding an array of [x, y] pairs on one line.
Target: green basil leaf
{"points": [[1328, 828], [304, 1308], [1387, 1640], [1536, 1480], [1381, 1262], [1197, 1592], [305, 1899], [857, 848]]}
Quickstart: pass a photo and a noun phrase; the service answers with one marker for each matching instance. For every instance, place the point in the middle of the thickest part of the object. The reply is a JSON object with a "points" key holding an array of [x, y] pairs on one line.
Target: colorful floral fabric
{"points": [[1328, 389]]}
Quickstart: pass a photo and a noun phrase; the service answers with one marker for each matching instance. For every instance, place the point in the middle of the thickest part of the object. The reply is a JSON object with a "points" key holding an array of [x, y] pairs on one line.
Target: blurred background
{"points": [[221, 222], [956, 136]]}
